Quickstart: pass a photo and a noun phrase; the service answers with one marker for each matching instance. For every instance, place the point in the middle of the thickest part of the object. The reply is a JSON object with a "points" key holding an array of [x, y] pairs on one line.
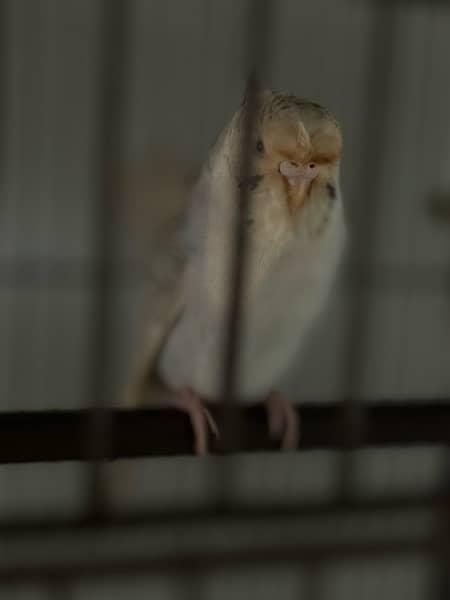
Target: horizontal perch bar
{"points": [[62, 435]]}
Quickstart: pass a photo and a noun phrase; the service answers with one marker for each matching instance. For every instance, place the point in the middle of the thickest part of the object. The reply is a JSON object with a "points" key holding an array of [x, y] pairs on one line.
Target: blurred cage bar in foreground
{"points": [[101, 433]]}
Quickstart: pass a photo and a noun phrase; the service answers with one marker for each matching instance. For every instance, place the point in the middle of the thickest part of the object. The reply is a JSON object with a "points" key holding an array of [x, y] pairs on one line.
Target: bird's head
{"points": [[296, 148]]}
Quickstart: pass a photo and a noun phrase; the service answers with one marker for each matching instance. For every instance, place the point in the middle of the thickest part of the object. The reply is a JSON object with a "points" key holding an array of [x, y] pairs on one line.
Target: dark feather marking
{"points": [[252, 182], [331, 190]]}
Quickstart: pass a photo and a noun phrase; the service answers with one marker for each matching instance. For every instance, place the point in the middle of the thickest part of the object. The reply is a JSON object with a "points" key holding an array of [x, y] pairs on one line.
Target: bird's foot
{"points": [[283, 420], [201, 419]]}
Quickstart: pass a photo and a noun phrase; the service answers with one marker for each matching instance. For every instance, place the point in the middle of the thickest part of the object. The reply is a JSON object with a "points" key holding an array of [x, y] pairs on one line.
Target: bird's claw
{"points": [[283, 420], [201, 419]]}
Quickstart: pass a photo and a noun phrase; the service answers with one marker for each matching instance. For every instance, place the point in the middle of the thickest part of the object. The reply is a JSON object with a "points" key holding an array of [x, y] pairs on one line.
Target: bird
{"points": [[296, 233]]}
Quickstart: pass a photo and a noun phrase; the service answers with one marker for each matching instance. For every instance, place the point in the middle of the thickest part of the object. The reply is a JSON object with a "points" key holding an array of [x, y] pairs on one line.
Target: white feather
{"points": [[289, 276]]}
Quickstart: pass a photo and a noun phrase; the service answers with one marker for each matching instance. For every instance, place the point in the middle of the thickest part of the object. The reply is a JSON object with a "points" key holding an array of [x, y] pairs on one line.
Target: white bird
{"points": [[296, 235]]}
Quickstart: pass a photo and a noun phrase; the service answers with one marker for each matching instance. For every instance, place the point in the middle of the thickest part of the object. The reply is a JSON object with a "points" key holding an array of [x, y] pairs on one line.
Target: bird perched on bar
{"points": [[295, 238]]}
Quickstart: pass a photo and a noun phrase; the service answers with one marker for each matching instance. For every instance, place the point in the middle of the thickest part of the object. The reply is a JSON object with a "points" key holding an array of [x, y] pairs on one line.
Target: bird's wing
{"points": [[164, 300], [186, 218], [165, 278], [157, 196]]}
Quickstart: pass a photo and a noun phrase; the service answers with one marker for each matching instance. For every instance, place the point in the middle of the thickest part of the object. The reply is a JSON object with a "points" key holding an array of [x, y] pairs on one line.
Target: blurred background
{"points": [[107, 109]]}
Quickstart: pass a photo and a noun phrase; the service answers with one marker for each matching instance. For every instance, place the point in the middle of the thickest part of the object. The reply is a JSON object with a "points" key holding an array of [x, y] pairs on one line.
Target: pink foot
{"points": [[201, 419], [283, 420]]}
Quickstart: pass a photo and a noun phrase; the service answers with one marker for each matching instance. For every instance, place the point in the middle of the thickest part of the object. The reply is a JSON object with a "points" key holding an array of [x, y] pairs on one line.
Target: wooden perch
{"points": [[62, 435]]}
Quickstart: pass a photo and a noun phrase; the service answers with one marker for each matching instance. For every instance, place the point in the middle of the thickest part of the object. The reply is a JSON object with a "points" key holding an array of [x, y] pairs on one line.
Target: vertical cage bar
{"points": [[110, 119], [258, 21], [6, 343], [443, 534], [22, 28], [4, 67], [364, 233], [257, 28]]}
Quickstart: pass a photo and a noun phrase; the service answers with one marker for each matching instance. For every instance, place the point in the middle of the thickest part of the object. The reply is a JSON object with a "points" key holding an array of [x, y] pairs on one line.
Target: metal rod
{"points": [[106, 220], [234, 321], [248, 513], [255, 43], [306, 553], [256, 34], [366, 231], [4, 74]]}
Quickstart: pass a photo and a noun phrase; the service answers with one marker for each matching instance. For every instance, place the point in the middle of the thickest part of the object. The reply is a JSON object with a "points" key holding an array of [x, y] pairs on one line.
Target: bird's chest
{"points": [[271, 306], [286, 278]]}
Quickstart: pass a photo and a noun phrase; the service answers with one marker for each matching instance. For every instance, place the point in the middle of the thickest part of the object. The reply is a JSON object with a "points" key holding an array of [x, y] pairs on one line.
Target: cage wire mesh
{"points": [[107, 108]]}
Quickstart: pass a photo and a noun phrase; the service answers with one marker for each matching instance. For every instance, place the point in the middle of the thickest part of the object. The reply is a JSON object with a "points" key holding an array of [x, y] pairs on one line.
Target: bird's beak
{"points": [[296, 173], [299, 178]]}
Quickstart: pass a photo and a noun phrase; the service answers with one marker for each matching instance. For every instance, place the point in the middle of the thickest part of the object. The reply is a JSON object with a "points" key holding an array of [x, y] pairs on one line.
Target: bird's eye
{"points": [[312, 166], [259, 146]]}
